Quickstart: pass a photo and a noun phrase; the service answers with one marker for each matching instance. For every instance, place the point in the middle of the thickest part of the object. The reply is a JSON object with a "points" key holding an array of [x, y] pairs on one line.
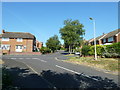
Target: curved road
{"points": [[59, 74]]}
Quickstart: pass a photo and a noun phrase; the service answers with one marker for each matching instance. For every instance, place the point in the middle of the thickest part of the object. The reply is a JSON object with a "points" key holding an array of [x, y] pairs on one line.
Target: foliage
{"points": [[72, 33], [53, 43], [112, 50], [108, 51], [45, 50], [85, 50], [99, 49]]}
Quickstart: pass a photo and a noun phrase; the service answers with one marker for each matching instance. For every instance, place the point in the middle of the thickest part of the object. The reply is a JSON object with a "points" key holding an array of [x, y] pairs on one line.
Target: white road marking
{"points": [[67, 69], [39, 59], [32, 69], [27, 58], [34, 58], [20, 58], [43, 61], [76, 72], [57, 59], [37, 73], [13, 58]]}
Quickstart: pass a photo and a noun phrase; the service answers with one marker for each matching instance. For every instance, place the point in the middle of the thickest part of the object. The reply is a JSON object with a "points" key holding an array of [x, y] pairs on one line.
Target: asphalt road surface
{"points": [[47, 71]]}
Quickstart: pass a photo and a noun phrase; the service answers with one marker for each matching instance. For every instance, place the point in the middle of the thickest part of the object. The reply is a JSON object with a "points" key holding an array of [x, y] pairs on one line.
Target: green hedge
{"points": [[85, 50], [112, 50], [99, 49], [45, 50]]}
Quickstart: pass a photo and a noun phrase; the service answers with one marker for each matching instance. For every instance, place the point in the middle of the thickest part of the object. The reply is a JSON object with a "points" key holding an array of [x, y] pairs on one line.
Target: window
{"points": [[24, 47], [104, 40], [110, 39], [19, 39], [5, 39], [18, 46], [5, 47]]}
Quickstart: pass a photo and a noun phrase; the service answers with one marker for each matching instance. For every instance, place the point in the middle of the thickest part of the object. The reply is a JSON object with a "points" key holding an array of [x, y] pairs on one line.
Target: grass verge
{"points": [[1, 62], [109, 64]]}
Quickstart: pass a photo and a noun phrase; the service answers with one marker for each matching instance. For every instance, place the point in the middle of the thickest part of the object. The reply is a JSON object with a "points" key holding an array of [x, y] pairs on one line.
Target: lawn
{"points": [[109, 64], [1, 62]]}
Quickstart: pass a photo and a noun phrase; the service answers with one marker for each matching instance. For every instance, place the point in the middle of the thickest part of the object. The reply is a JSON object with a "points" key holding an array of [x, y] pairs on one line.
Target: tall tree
{"points": [[53, 43], [72, 33]]}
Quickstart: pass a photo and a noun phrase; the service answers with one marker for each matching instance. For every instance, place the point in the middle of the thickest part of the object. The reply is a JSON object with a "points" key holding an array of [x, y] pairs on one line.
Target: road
{"points": [[58, 74]]}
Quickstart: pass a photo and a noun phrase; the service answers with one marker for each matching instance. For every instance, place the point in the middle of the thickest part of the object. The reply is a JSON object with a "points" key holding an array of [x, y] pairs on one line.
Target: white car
{"points": [[77, 53]]}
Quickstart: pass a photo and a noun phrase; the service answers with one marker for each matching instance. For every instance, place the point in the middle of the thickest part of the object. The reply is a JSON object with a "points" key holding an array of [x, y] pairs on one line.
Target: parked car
{"points": [[77, 53]]}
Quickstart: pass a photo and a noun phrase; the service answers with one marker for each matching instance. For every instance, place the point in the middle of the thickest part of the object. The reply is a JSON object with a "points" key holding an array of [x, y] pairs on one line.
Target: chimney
{"points": [[3, 31]]}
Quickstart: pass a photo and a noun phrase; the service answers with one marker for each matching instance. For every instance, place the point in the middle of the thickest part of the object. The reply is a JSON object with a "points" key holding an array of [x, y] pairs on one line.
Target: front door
{"points": [[18, 48]]}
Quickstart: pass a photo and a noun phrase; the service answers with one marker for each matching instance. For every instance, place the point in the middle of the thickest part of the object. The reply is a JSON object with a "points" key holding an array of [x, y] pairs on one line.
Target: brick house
{"points": [[17, 42], [39, 44], [106, 39], [111, 37]]}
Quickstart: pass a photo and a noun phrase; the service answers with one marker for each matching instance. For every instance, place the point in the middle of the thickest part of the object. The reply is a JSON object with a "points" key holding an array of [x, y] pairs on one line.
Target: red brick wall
{"points": [[39, 44], [13, 42], [118, 38]]}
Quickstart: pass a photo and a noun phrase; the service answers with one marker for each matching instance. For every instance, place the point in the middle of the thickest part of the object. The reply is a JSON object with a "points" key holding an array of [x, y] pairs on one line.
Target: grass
{"points": [[110, 64], [1, 62]]}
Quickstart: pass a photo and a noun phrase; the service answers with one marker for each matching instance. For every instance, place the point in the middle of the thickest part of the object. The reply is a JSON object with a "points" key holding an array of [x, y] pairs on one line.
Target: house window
{"points": [[104, 40], [19, 39], [18, 46], [5, 39], [24, 47], [110, 39], [5, 47]]}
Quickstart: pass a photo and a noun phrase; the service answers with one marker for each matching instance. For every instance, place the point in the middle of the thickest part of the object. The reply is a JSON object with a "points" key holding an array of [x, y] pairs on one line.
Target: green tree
{"points": [[72, 33], [53, 43]]}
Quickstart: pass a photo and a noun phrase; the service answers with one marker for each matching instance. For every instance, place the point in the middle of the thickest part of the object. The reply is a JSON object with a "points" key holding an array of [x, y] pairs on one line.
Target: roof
{"points": [[110, 34], [97, 38], [17, 35]]}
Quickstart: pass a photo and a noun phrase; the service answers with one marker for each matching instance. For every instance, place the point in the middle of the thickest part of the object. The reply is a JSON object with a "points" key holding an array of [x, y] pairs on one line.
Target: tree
{"points": [[72, 33], [53, 43]]}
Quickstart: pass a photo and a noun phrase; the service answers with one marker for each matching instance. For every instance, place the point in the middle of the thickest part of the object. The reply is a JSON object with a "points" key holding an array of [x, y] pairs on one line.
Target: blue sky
{"points": [[44, 19]]}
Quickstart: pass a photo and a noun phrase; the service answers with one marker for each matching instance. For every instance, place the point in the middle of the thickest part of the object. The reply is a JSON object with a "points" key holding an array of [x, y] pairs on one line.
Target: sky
{"points": [[44, 19]]}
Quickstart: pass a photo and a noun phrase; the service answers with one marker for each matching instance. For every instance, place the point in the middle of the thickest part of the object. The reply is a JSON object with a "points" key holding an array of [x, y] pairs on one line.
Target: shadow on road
{"points": [[64, 53], [22, 78]]}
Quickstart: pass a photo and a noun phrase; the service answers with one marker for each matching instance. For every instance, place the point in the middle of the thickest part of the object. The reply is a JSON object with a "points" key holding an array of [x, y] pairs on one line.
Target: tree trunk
{"points": [[69, 49]]}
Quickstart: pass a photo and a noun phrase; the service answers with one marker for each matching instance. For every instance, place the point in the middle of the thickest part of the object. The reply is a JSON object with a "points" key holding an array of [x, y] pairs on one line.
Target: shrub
{"points": [[85, 50], [99, 49], [112, 50], [45, 50]]}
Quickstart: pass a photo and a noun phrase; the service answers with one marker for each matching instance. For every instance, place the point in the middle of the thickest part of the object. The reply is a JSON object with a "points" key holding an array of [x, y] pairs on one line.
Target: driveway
{"points": [[58, 74]]}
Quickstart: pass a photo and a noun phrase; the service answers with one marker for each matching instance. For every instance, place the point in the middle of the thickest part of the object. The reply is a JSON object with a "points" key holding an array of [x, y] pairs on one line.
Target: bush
{"points": [[99, 49], [112, 50], [85, 50], [45, 50]]}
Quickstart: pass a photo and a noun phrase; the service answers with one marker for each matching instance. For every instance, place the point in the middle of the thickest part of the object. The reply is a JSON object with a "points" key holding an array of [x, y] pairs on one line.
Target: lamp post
{"points": [[94, 37]]}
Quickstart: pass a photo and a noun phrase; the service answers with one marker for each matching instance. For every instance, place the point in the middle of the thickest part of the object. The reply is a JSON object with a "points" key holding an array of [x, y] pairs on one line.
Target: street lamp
{"points": [[94, 37]]}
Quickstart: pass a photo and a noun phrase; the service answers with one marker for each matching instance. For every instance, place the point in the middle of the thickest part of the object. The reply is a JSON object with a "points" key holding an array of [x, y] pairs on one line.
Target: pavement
{"points": [[48, 71]]}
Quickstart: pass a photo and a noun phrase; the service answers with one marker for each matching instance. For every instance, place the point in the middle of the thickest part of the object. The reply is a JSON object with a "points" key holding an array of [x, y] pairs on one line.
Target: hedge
{"points": [[112, 50], [45, 50]]}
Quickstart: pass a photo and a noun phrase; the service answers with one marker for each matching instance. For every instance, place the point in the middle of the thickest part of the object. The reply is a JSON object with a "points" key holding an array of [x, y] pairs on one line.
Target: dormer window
{"points": [[5, 39], [19, 39]]}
